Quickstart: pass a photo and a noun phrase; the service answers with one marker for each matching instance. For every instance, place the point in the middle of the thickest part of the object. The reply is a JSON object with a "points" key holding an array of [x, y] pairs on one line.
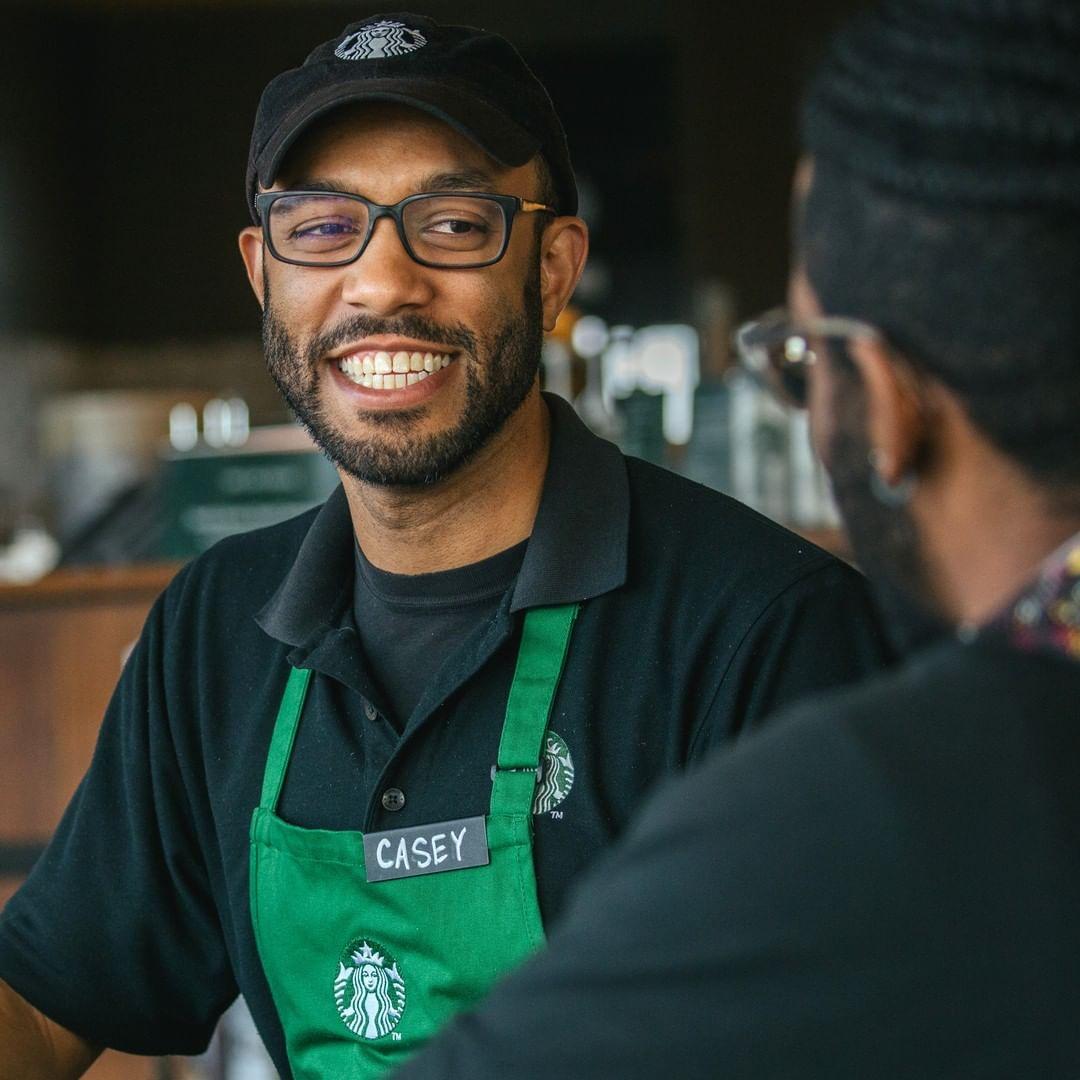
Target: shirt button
{"points": [[393, 798], [370, 711]]}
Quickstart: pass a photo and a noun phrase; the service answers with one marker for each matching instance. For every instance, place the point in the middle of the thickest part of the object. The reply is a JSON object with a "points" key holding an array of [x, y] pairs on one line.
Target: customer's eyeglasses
{"points": [[779, 350], [452, 229]]}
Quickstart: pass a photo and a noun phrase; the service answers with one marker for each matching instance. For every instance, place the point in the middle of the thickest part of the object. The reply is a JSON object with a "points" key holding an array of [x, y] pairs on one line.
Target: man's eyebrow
{"points": [[457, 180], [450, 180], [320, 184]]}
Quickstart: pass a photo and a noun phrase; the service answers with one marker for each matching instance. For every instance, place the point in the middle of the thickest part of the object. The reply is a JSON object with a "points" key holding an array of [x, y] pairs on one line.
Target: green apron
{"points": [[363, 971]]}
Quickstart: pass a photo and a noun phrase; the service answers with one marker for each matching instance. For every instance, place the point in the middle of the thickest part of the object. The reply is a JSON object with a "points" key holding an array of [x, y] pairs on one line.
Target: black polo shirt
{"points": [[699, 617]]}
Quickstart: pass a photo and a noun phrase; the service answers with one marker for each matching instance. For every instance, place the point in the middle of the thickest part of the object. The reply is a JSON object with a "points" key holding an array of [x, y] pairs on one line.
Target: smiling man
{"points": [[401, 374], [357, 759]]}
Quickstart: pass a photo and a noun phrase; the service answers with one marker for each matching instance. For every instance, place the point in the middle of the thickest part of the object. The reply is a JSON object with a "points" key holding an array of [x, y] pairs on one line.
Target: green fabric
{"points": [[545, 639], [362, 974], [281, 742]]}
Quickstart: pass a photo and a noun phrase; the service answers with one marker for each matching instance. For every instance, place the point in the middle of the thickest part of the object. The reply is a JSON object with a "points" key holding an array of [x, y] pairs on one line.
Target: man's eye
{"points": [[456, 226], [323, 230]]}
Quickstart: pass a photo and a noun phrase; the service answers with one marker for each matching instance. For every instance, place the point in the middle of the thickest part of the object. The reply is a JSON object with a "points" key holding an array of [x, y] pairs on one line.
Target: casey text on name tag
{"points": [[426, 849]]}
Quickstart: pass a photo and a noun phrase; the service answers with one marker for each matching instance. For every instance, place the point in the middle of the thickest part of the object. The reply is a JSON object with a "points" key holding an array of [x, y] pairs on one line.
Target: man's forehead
{"points": [[387, 138]]}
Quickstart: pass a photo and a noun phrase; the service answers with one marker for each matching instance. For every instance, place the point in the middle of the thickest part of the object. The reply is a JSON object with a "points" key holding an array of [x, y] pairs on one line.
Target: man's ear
{"points": [[896, 408], [251, 251], [564, 247]]}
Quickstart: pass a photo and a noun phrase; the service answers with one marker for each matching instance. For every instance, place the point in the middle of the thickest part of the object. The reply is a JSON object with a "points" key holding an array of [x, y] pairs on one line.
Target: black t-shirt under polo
{"points": [[409, 624], [698, 619]]}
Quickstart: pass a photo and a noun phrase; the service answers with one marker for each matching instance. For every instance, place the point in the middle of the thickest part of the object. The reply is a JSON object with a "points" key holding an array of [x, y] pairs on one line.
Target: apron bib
{"points": [[362, 971]]}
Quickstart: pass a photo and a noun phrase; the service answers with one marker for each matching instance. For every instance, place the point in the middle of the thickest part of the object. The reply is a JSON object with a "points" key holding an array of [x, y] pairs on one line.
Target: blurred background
{"points": [[137, 424]]}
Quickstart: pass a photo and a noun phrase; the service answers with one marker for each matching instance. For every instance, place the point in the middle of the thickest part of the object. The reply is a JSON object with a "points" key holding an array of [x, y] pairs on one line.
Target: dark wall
{"points": [[39, 244], [122, 151], [135, 126]]}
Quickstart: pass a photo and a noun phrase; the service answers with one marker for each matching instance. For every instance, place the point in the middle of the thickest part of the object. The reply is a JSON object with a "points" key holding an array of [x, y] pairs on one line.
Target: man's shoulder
{"points": [[934, 694], [935, 728], [277, 543], [245, 568], [673, 517], [854, 793], [950, 692]]}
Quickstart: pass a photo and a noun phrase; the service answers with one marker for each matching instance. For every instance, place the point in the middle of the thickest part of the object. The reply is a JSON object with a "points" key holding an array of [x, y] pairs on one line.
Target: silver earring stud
{"points": [[891, 495]]}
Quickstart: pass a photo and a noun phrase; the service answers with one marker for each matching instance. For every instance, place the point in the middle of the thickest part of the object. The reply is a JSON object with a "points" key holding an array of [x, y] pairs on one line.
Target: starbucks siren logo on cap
{"points": [[380, 41]]}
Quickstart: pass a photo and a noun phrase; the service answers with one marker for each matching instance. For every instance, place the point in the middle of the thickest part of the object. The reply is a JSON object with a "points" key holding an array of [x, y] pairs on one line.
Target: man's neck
{"points": [[484, 507], [985, 537]]}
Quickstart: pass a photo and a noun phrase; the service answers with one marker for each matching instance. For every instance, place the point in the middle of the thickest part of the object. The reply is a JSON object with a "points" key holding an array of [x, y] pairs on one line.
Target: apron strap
{"points": [[545, 639], [281, 742]]}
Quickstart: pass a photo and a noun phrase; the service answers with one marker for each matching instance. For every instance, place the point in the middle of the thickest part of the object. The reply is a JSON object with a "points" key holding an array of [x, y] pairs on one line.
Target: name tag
{"points": [[426, 849]]}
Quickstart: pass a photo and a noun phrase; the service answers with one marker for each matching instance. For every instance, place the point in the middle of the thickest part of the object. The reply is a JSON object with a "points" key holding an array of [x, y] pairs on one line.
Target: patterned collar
{"points": [[1046, 615]]}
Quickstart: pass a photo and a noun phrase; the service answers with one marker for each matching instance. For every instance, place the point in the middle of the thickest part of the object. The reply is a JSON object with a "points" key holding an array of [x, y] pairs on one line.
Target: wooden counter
{"points": [[62, 644]]}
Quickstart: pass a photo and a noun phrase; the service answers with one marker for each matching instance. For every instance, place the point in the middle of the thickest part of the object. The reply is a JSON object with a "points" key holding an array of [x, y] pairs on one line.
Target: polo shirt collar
{"points": [[578, 547], [313, 594], [577, 550]]}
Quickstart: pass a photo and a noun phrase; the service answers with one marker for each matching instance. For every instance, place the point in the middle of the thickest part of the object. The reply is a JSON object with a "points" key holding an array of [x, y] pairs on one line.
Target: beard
{"points": [[884, 539], [500, 368]]}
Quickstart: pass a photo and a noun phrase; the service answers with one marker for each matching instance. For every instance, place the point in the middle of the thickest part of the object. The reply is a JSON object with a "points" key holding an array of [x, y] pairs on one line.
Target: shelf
{"points": [[90, 584]]}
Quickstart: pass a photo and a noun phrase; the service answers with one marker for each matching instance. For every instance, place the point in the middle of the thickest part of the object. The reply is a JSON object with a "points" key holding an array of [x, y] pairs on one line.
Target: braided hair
{"points": [[945, 207]]}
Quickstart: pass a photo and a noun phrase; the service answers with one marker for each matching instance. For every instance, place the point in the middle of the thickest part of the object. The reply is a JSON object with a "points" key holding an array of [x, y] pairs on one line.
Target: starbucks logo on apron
{"points": [[556, 774], [369, 991]]}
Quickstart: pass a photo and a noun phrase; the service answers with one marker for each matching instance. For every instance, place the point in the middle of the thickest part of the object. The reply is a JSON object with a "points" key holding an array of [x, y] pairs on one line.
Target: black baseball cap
{"points": [[472, 80]]}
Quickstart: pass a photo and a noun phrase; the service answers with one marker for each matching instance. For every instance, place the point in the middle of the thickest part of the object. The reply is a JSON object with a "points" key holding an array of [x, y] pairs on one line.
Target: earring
{"points": [[891, 495]]}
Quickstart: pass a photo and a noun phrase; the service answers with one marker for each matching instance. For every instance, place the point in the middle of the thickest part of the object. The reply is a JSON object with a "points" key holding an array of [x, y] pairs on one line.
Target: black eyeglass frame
{"points": [[756, 340], [511, 206]]}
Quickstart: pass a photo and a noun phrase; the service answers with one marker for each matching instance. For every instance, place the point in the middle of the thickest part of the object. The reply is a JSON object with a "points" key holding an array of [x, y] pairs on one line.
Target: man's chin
{"points": [[377, 465], [397, 452]]}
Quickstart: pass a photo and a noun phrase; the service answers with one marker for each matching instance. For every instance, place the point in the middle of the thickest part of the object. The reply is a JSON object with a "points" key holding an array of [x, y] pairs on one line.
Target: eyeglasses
{"points": [[779, 350], [448, 229]]}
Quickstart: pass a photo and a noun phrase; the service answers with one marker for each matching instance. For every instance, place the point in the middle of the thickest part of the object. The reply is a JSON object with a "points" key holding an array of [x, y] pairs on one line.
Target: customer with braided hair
{"points": [[887, 882]]}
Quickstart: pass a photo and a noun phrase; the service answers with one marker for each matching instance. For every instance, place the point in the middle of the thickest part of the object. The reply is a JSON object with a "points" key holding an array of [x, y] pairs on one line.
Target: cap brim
{"points": [[490, 128]]}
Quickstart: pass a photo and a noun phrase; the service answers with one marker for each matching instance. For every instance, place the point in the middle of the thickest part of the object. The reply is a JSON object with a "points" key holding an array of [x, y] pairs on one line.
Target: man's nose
{"points": [[385, 279]]}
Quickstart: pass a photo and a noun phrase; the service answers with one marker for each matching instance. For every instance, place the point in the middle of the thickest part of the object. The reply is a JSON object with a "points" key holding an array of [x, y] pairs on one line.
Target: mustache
{"points": [[407, 326]]}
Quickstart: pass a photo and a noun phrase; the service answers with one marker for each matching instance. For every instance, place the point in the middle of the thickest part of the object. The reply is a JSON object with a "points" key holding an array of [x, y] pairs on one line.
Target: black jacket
{"points": [[883, 884]]}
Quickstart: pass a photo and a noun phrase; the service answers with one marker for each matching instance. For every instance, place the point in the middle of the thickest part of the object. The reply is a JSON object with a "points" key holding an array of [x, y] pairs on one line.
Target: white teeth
{"points": [[381, 371]]}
